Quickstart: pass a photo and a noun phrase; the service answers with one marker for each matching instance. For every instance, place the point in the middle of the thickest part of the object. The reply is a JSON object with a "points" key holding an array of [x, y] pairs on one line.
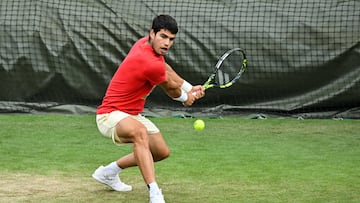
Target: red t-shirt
{"points": [[134, 80]]}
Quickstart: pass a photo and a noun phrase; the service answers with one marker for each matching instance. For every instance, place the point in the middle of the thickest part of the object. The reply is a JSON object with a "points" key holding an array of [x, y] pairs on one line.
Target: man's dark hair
{"points": [[164, 22]]}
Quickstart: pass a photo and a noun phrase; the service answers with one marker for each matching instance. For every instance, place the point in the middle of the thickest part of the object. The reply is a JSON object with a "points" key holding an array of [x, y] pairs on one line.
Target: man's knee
{"points": [[161, 154], [140, 136]]}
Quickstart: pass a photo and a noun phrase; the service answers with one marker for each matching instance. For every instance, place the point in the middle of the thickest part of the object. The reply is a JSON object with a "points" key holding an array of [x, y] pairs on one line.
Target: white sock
{"points": [[114, 167], [153, 187]]}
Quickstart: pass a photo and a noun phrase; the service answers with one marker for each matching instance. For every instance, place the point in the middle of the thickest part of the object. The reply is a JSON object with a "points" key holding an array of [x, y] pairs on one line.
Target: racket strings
{"points": [[229, 68]]}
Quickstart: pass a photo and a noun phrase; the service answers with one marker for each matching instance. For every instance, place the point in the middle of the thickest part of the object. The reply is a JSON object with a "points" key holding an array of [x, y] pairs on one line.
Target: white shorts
{"points": [[106, 124]]}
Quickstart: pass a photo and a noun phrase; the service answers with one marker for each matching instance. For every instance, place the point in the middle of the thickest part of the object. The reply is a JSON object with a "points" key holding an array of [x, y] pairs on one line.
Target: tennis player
{"points": [[118, 117]]}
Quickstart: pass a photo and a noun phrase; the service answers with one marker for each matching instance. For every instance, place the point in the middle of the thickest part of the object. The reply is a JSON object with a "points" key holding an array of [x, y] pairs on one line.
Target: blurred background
{"points": [[303, 56]]}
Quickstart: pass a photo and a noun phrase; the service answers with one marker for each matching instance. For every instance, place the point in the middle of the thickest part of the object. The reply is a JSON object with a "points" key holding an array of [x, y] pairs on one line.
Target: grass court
{"points": [[50, 158]]}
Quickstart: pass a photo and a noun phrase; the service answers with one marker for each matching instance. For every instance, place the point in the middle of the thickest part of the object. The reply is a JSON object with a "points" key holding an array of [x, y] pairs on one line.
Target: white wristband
{"points": [[186, 86], [183, 97]]}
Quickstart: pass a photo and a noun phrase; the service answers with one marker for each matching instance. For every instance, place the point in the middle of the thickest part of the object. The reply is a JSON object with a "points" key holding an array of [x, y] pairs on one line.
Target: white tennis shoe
{"points": [[110, 179], [157, 197]]}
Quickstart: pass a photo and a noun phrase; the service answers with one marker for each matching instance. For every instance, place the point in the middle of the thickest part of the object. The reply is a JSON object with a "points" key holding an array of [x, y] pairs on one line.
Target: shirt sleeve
{"points": [[156, 73]]}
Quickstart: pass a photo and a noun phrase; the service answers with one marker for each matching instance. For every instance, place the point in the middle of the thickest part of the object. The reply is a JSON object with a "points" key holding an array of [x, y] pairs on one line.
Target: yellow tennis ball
{"points": [[199, 125]]}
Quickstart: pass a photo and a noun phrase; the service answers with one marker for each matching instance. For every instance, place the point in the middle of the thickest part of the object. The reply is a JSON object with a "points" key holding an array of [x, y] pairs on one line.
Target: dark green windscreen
{"points": [[303, 56]]}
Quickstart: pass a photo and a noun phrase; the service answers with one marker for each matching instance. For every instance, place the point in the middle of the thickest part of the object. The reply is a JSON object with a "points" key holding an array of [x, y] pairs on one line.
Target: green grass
{"points": [[232, 160]]}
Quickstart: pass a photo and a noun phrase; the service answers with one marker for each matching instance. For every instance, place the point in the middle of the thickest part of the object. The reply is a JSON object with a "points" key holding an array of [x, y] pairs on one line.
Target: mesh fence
{"points": [[303, 56]]}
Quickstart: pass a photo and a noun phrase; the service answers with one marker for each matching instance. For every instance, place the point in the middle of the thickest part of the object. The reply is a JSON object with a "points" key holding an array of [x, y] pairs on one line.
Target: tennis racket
{"points": [[228, 69]]}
